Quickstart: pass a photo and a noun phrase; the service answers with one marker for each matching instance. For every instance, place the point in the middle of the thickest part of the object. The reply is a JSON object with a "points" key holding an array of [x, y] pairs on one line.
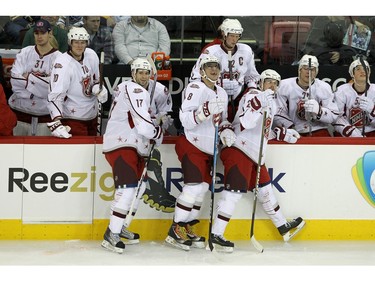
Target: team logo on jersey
{"points": [[58, 65], [356, 117], [194, 86], [301, 110], [85, 86], [363, 174], [137, 90], [235, 75]]}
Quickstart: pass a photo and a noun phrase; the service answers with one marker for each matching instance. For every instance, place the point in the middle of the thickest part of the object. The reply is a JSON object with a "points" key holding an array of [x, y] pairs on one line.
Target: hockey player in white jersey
{"points": [[161, 105], [126, 143], [238, 71], [355, 99], [241, 159], [306, 103], [74, 89], [204, 104], [30, 76]]}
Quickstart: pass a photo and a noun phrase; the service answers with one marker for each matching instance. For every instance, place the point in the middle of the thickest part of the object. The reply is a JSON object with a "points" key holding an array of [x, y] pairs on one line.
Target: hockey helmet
{"points": [[231, 26], [269, 74], [305, 61], [140, 63], [208, 59], [78, 33], [356, 63]]}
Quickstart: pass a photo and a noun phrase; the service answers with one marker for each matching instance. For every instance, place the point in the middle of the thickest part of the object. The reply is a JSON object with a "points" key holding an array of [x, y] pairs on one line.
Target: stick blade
{"points": [[256, 244]]}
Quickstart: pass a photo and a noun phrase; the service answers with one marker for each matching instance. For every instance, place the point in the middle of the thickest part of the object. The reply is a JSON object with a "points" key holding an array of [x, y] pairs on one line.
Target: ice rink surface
{"points": [[154, 260]]}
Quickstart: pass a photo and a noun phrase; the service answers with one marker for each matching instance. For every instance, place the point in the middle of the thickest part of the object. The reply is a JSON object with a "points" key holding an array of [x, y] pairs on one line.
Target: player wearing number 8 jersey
{"points": [[204, 104]]}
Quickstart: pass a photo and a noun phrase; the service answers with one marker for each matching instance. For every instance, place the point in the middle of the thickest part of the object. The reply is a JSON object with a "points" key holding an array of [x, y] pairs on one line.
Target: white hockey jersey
{"points": [[70, 91], [30, 94], [129, 122], [248, 124], [291, 111], [346, 98], [243, 65], [201, 135]]}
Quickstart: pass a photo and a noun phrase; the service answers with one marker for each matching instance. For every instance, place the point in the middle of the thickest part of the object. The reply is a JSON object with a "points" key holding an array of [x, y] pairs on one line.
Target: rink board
{"points": [[62, 189]]}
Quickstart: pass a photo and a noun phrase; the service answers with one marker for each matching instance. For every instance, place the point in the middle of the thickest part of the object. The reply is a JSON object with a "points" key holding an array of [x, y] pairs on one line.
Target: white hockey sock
{"points": [[184, 205], [131, 215], [225, 209], [189, 202], [120, 207], [270, 205]]}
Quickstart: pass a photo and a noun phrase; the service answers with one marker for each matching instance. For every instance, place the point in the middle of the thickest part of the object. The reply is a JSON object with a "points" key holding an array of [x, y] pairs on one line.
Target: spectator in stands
{"points": [[14, 27], [138, 37], [333, 51], [58, 33], [100, 38], [66, 22], [30, 76], [315, 39]]}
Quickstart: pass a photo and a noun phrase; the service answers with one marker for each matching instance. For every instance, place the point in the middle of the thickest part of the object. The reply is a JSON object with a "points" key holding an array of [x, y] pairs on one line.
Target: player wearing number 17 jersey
{"points": [[126, 142]]}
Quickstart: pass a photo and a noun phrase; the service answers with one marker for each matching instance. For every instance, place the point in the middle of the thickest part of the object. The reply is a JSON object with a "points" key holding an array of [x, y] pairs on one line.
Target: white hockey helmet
{"points": [[140, 63], [208, 59], [357, 62], [269, 74], [231, 26], [78, 33], [305, 61]]}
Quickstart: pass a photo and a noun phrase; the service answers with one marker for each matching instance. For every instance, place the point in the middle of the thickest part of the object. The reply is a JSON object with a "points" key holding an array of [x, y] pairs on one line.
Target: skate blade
{"points": [[290, 234], [175, 244], [108, 246], [198, 245], [129, 241], [220, 249]]}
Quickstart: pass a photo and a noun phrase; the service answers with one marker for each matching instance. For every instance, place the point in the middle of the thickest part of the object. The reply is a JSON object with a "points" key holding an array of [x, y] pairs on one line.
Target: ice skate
{"points": [[220, 244], [177, 236], [196, 241], [130, 238], [291, 228], [113, 242]]}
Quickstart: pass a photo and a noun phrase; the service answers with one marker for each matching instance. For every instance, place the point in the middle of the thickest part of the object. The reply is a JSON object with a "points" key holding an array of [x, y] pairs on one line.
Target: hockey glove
{"points": [[351, 131], [266, 98], [214, 106], [231, 87], [101, 94], [287, 135], [228, 137], [164, 120], [59, 130], [313, 106], [366, 104]]}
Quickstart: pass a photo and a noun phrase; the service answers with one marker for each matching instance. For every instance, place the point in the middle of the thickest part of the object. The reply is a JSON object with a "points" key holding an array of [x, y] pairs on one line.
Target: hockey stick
{"points": [[216, 145], [230, 66], [100, 106], [131, 214], [364, 112], [255, 243], [308, 115]]}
